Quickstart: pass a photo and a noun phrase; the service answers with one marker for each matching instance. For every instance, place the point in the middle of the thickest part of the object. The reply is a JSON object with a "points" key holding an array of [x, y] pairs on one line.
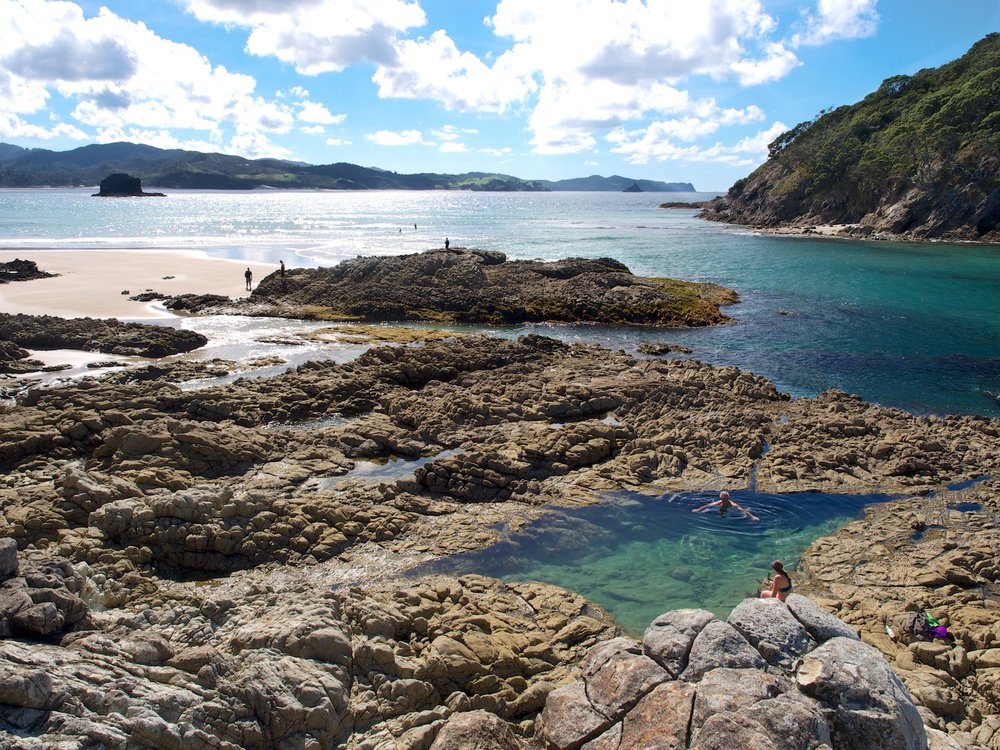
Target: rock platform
{"points": [[200, 567]]}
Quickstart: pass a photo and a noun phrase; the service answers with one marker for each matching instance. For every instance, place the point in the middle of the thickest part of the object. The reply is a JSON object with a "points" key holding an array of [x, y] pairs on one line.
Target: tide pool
{"points": [[639, 556]]}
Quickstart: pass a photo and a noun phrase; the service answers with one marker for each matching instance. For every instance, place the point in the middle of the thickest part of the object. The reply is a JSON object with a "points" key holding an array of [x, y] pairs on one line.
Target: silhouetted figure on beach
{"points": [[249, 277], [446, 243], [282, 269]]}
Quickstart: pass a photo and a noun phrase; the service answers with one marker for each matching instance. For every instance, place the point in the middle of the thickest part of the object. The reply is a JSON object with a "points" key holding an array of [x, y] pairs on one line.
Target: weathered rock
{"points": [[720, 645], [770, 627], [8, 559], [481, 286], [821, 624], [477, 730], [872, 706], [107, 336], [669, 637]]}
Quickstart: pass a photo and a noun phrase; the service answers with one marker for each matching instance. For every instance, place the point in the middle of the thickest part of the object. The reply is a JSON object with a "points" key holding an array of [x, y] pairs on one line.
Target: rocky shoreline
{"points": [[123, 493]]}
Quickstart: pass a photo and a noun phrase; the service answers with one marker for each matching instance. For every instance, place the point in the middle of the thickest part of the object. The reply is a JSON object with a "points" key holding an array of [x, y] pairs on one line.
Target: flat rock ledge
{"points": [[481, 286]]}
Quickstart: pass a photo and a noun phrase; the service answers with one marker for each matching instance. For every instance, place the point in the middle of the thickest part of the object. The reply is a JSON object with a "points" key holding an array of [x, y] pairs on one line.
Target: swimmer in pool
{"points": [[724, 504]]}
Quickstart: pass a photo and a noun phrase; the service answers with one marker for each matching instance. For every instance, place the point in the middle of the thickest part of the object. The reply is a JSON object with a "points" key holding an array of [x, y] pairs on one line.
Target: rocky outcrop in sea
{"points": [[202, 567], [481, 286]]}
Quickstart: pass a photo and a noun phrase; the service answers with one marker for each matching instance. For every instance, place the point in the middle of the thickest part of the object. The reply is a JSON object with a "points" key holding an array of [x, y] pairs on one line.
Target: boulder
{"points": [[720, 645], [871, 707], [769, 626], [669, 638]]}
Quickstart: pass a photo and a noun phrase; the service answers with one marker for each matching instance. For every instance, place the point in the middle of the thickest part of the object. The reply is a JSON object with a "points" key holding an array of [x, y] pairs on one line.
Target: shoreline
{"points": [[92, 283]]}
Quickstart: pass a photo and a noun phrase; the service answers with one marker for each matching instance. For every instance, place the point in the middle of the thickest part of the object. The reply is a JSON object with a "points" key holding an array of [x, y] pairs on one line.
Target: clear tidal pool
{"points": [[640, 556]]}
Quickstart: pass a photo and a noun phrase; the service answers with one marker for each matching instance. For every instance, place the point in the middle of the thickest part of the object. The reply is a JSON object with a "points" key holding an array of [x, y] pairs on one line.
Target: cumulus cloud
{"points": [[123, 81], [626, 62], [337, 142], [837, 19], [317, 36], [315, 112], [400, 138], [435, 69], [658, 142]]}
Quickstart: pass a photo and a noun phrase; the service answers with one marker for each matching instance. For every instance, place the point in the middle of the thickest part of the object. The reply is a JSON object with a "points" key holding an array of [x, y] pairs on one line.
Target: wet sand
{"points": [[91, 283]]}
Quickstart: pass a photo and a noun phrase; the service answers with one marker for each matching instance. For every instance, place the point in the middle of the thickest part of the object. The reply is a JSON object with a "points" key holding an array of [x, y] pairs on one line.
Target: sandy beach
{"points": [[91, 283]]}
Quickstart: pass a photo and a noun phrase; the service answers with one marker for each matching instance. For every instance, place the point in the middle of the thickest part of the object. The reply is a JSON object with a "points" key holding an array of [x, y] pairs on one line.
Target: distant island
{"points": [[179, 169], [917, 159], [121, 185]]}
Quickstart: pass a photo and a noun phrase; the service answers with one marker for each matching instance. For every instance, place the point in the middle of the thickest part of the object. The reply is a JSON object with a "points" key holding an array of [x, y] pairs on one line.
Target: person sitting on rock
{"points": [[724, 504], [781, 585]]}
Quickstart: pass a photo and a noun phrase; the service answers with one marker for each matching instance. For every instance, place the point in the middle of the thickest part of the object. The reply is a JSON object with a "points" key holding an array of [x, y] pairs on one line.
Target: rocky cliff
{"points": [[916, 159]]}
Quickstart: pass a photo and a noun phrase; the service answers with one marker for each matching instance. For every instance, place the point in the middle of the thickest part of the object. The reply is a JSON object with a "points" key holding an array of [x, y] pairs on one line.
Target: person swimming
{"points": [[781, 586], [724, 504]]}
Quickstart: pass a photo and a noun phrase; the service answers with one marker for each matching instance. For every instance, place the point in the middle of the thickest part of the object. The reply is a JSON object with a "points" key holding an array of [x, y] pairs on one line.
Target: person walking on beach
{"points": [[249, 277], [724, 504], [781, 585]]}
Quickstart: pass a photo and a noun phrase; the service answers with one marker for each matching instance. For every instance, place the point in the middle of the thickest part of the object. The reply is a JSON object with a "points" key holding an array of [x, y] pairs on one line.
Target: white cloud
{"points": [[313, 130], [317, 36], [337, 142], [837, 19], [317, 113], [453, 147], [657, 143], [776, 63], [12, 126], [402, 138], [122, 80], [434, 69]]}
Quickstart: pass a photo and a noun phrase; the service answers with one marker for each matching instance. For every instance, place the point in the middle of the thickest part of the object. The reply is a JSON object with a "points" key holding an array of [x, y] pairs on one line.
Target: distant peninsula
{"points": [[917, 159], [179, 169]]}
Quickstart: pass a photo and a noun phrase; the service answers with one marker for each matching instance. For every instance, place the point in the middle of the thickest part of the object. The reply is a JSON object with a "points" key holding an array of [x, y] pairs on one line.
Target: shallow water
{"points": [[639, 556]]}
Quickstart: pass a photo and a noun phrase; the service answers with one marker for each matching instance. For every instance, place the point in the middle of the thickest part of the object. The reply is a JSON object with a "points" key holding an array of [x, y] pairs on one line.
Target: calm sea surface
{"points": [[907, 325]]}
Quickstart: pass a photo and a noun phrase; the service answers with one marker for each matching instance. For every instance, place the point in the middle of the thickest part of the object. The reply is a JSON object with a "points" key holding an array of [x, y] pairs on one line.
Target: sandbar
{"points": [[91, 282]]}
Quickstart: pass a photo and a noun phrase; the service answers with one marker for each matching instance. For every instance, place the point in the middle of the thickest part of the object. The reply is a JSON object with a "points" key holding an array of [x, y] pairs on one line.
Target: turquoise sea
{"points": [[907, 325], [913, 326]]}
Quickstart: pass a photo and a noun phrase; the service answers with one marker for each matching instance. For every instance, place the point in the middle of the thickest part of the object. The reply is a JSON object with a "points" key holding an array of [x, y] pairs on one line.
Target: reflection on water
{"points": [[389, 470], [640, 556]]}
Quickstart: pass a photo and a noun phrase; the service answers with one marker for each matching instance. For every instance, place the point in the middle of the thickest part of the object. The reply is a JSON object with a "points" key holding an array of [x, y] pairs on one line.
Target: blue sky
{"points": [[675, 90]]}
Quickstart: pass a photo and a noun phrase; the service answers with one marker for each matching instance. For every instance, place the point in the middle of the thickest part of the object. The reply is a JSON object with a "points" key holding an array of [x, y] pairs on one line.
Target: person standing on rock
{"points": [[447, 243], [724, 504], [282, 269], [781, 585], [248, 275]]}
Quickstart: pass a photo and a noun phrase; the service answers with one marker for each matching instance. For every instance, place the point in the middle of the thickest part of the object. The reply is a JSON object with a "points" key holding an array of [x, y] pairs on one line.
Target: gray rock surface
{"points": [[669, 638], [720, 645], [771, 628], [871, 705], [838, 694]]}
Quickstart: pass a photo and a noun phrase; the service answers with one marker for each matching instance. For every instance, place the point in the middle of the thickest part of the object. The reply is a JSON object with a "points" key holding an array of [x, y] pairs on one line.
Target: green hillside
{"points": [[917, 158]]}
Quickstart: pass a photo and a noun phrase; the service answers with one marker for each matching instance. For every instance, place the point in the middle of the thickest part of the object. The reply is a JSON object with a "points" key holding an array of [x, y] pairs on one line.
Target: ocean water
{"points": [[639, 556], [906, 325]]}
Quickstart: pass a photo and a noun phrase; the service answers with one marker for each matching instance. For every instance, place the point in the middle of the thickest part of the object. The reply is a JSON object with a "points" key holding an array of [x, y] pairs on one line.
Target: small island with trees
{"points": [[121, 185]]}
